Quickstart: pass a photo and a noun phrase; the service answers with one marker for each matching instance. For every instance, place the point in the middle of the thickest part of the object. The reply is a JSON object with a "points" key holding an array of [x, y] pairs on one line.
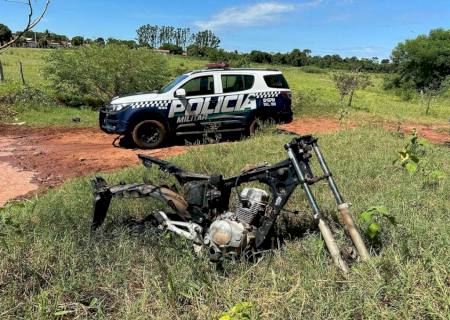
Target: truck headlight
{"points": [[118, 107]]}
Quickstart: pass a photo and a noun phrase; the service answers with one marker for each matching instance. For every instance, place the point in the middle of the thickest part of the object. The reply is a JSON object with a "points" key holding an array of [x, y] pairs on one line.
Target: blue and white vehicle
{"points": [[232, 100]]}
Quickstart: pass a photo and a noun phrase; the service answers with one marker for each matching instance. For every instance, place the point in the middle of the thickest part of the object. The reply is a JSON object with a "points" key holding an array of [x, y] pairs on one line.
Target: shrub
{"points": [[15, 94], [173, 48], [348, 83], [6, 112], [95, 74], [242, 62], [16, 98]]}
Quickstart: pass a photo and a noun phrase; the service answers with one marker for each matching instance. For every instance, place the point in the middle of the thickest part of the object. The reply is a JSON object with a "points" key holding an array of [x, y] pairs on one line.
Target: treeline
{"points": [[156, 36], [296, 58], [301, 58]]}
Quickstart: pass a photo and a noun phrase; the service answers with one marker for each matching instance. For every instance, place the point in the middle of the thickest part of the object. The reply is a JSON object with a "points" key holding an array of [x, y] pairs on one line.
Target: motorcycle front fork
{"points": [[300, 160]]}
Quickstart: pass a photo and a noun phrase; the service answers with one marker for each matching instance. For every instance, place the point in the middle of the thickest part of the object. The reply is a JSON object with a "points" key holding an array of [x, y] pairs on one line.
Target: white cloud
{"points": [[254, 15]]}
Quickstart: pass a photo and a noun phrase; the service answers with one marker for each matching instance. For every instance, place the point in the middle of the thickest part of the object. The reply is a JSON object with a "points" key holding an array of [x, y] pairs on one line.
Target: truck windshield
{"points": [[172, 84]]}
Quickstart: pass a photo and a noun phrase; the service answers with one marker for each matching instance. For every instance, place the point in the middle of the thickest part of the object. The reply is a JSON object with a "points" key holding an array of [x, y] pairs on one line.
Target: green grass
{"points": [[373, 102], [51, 262], [32, 62], [315, 92], [56, 115]]}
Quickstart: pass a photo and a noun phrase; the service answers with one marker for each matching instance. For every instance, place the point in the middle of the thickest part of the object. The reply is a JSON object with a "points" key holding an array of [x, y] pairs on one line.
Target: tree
{"points": [[30, 24], [77, 41], [147, 35], [42, 43], [260, 57], [194, 50], [348, 83], [5, 34], [100, 41], [422, 63], [95, 73], [206, 39], [297, 58]]}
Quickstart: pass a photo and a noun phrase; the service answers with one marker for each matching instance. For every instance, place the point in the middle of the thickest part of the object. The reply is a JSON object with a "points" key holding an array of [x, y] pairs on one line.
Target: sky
{"points": [[362, 28]]}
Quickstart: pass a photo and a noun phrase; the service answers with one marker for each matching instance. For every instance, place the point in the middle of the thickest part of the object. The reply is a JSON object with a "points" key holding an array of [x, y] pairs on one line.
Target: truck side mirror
{"points": [[180, 93]]}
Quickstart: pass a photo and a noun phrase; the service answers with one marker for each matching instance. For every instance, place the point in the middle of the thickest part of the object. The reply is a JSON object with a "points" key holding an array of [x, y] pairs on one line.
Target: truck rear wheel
{"points": [[149, 134]]}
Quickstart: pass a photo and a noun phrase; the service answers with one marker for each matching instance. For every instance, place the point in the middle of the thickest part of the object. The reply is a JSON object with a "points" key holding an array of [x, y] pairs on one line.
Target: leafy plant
{"points": [[434, 178], [348, 83], [412, 154], [240, 311], [373, 218]]}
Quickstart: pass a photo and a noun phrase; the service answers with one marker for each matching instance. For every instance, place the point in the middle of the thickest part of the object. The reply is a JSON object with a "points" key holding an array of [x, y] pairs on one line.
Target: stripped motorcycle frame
{"points": [[281, 178]]}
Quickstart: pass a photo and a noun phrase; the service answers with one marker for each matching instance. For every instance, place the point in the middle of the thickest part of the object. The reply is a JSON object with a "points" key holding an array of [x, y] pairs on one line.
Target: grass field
{"points": [[315, 92], [52, 265]]}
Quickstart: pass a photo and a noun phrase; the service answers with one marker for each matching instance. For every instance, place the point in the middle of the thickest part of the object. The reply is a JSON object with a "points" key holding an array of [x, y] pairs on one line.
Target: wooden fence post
{"points": [[2, 77], [21, 73]]}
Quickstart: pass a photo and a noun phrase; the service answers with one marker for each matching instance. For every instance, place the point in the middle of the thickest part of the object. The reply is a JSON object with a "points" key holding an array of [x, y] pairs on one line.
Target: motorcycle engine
{"points": [[231, 233]]}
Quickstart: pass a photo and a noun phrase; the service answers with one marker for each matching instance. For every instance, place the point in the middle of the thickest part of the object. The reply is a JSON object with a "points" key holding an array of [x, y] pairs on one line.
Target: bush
{"points": [[240, 63], [16, 98], [173, 48], [94, 75], [16, 94]]}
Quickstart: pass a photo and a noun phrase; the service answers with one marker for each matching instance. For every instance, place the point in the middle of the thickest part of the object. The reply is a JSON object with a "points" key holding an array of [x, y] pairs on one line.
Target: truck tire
{"points": [[149, 134], [253, 127], [256, 123]]}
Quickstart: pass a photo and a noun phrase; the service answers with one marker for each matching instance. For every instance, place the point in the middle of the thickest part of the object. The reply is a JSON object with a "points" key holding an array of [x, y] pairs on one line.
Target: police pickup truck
{"points": [[232, 100]]}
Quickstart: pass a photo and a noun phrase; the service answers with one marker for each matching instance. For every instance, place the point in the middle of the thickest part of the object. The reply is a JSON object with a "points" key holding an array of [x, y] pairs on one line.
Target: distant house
{"points": [[30, 43], [66, 43], [163, 51], [54, 45], [167, 52]]}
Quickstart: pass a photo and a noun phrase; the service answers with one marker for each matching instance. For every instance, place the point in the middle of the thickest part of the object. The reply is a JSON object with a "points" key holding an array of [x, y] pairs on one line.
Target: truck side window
{"points": [[276, 81], [233, 83], [199, 86]]}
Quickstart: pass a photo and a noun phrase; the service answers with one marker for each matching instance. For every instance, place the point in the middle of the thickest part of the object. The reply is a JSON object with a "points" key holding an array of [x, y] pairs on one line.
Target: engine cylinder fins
{"points": [[250, 203]]}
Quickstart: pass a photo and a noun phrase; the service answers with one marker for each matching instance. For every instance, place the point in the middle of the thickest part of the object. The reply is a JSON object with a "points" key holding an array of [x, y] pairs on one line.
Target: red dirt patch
{"points": [[439, 134], [433, 133], [313, 125], [49, 156]]}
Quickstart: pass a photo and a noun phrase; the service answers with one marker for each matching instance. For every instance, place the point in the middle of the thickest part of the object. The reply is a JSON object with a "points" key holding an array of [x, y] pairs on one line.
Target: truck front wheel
{"points": [[149, 134]]}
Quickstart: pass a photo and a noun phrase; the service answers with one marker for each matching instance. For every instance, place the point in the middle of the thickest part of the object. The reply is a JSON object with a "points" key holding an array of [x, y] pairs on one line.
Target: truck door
{"points": [[201, 101]]}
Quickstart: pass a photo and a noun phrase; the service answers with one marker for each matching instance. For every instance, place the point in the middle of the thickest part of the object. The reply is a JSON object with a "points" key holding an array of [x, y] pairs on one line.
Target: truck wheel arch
{"points": [[147, 115]]}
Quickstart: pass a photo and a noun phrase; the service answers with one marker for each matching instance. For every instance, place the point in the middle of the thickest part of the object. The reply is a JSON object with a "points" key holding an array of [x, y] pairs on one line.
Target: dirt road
{"points": [[36, 159]]}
